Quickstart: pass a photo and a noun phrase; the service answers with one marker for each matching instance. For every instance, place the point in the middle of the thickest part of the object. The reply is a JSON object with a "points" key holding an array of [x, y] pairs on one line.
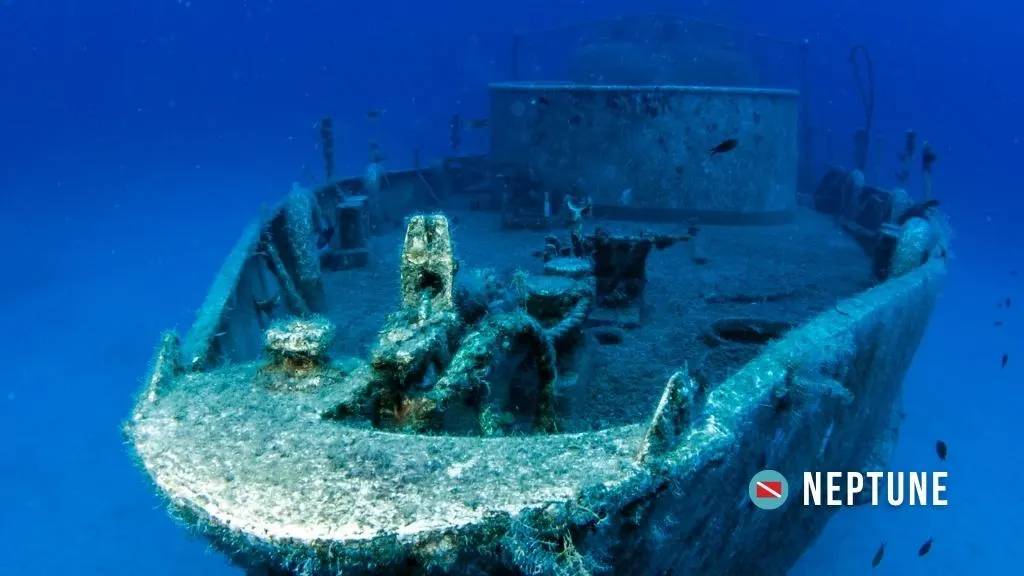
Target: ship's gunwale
{"points": [[710, 440]]}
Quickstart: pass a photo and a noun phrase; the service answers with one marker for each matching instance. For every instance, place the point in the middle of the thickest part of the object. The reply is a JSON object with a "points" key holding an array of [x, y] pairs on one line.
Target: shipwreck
{"points": [[584, 373]]}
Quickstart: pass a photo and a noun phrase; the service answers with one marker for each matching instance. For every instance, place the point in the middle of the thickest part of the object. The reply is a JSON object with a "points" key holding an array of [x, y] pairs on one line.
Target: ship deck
{"points": [[780, 275]]}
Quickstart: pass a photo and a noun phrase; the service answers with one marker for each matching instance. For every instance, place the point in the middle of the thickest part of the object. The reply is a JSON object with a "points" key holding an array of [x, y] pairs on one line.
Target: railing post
{"points": [[517, 41], [806, 131]]}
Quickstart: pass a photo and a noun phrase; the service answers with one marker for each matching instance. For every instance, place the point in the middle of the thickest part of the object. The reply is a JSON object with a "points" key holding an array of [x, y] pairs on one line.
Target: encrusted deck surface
{"points": [[263, 463], [786, 273], [255, 467]]}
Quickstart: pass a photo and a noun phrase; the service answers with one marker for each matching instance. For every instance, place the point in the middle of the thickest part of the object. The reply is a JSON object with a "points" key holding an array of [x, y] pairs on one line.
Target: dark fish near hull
{"points": [[941, 450], [926, 547], [725, 146], [878, 556]]}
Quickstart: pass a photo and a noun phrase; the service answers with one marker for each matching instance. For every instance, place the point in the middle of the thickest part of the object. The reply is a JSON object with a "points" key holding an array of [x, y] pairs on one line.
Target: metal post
{"points": [[806, 131], [517, 41]]}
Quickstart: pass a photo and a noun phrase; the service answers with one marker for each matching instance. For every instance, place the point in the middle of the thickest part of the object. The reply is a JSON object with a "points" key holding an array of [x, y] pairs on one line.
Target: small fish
{"points": [[374, 114], [725, 146], [1013, 272], [878, 556], [1007, 302], [941, 450], [926, 547], [997, 323], [477, 124], [1006, 358], [541, 100]]}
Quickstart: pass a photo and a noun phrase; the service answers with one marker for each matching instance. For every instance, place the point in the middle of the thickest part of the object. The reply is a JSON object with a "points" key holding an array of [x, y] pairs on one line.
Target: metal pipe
{"points": [[517, 41], [806, 131]]}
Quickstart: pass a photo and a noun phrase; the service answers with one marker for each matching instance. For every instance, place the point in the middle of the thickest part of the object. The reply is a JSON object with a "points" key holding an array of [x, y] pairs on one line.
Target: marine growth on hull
{"points": [[571, 329], [549, 320], [566, 352]]}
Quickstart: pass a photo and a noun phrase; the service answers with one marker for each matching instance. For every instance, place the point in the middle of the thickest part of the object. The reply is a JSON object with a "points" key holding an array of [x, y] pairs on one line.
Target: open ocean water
{"points": [[139, 138]]}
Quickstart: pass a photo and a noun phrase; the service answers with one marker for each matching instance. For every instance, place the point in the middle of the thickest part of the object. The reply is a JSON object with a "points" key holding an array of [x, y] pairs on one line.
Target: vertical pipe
{"points": [[879, 161], [806, 132], [416, 192], [517, 41]]}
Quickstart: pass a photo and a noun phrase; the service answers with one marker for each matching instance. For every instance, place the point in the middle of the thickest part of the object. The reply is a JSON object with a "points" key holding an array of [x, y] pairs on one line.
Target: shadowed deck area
{"points": [[756, 282]]}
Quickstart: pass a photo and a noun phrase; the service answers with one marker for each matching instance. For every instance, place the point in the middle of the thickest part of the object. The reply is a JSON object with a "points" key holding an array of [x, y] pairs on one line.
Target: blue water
{"points": [[139, 137]]}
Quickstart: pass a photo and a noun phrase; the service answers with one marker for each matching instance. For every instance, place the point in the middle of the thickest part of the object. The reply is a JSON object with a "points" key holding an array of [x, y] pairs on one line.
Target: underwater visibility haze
{"points": [[465, 288]]}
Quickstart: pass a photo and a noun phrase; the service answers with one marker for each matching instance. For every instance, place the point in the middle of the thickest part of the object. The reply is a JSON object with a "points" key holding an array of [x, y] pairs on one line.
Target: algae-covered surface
{"points": [[783, 274], [265, 463]]}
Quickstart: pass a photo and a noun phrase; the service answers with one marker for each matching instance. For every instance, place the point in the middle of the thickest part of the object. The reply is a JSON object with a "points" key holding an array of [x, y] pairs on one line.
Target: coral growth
{"points": [[300, 340], [467, 376], [475, 358], [298, 353]]}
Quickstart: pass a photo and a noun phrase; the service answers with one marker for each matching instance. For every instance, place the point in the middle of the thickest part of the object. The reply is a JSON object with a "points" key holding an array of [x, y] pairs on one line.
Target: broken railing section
{"points": [[276, 271], [342, 219], [285, 290], [447, 360], [302, 229], [677, 409], [897, 231], [270, 273], [290, 278], [281, 278]]}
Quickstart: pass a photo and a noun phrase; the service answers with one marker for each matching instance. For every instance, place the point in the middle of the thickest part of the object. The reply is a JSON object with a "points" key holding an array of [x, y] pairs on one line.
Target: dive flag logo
{"points": [[768, 490]]}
